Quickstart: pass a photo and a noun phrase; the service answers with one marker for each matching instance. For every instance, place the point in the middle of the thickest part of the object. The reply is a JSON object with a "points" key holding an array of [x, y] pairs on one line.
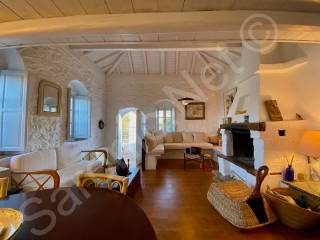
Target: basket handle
{"points": [[261, 174]]}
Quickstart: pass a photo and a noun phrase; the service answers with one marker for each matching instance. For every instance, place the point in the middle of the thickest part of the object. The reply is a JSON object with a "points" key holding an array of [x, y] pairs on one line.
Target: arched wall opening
{"points": [[131, 129]]}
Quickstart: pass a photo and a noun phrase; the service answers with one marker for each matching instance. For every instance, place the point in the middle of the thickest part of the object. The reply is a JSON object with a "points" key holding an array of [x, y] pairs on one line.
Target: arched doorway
{"points": [[131, 129]]}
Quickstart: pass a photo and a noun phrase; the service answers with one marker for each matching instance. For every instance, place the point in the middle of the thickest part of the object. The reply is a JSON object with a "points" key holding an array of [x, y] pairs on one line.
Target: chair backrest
{"points": [[102, 180], [68, 154], [4, 182]]}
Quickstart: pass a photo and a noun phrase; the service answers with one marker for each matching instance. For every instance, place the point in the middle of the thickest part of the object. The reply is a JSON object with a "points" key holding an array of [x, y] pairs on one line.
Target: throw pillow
{"points": [[214, 139], [200, 137], [187, 137], [151, 142]]}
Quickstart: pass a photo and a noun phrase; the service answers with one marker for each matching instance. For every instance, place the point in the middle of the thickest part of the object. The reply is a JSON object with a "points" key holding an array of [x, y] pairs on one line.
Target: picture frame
{"points": [[228, 98], [49, 99], [273, 110], [195, 111]]}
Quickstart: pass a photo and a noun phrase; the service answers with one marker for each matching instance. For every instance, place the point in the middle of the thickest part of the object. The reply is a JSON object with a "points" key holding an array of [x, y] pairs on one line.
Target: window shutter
{"points": [[13, 85], [81, 117]]}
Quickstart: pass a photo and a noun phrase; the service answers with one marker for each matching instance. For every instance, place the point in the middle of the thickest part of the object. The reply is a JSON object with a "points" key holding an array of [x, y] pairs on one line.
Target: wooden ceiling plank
{"points": [[21, 9], [120, 6], [170, 5], [70, 7], [46, 8], [145, 5], [94, 6], [196, 5], [7, 15]]}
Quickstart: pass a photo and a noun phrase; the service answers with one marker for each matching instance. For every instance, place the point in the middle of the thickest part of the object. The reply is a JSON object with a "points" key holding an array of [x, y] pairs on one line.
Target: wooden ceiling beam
{"points": [[292, 26], [206, 63], [177, 62], [215, 59], [116, 63], [145, 61], [158, 46], [130, 62], [163, 62], [99, 60]]}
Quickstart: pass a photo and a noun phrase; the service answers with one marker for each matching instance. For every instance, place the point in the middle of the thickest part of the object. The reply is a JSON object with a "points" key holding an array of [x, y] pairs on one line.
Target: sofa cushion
{"points": [[177, 137], [187, 137], [182, 146], [168, 138], [68, 154], [38, 160], [200, 137]]}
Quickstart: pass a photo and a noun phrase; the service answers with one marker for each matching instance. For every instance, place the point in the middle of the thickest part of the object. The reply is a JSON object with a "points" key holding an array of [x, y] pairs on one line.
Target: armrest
{"points": [[103, 152], [51, 174]]}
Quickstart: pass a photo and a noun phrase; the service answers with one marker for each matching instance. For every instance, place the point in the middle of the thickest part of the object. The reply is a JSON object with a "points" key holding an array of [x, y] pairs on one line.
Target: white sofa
{"points": [[172, 145], [60, 166]]}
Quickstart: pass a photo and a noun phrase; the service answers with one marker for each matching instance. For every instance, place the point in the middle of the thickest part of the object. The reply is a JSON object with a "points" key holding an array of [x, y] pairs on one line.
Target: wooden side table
{"points": [[134, 181]]}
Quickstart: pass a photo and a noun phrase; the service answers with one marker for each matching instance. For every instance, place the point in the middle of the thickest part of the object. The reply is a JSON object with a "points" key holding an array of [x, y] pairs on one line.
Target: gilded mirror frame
{"points": [[41, 96]]}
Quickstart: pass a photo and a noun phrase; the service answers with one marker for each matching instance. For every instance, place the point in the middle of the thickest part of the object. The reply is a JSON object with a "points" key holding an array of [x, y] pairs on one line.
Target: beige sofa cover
{"points": [[174, 150], [66, 160]]}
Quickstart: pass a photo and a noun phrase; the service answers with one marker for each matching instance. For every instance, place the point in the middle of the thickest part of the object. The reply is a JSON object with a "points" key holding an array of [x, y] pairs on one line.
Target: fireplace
{"points": [[243, 149]]}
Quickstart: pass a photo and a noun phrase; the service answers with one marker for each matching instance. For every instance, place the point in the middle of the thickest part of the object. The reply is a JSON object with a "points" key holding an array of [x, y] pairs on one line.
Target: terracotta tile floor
{"points": [[176, 203]]}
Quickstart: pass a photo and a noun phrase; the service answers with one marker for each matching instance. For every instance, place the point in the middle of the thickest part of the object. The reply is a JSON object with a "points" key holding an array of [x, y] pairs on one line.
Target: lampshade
{"points": [[186, 100], [310, 144]]}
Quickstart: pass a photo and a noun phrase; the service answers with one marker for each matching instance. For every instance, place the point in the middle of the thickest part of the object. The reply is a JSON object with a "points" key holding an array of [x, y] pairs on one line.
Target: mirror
{"points": [[49, 98]]}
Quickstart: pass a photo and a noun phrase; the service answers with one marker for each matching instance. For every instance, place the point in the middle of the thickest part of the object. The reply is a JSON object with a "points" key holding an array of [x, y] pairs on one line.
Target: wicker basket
{"points": [[290, 215], [229, 199]]}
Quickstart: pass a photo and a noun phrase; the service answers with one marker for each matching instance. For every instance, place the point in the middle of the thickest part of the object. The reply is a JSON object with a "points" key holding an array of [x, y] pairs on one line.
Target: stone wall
{"points": [[60, 65]]}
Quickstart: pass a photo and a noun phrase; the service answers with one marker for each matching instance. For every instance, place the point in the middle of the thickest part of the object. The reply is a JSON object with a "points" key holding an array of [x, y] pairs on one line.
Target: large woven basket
{"points": [[229, 199], [290, 215]]}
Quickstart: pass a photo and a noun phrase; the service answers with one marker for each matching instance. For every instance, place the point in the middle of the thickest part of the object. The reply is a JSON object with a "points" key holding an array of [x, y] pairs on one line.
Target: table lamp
{"points": [[310, 146]]}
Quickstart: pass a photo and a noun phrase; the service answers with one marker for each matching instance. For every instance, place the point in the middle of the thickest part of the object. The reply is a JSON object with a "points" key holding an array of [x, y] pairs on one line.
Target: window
{"points": [[80, 107], [165, 119], [13, 86], [79, 116]]}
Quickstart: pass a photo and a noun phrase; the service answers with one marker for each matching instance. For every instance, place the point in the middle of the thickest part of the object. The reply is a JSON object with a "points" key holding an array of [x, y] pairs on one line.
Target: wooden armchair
{"points": [[101, 180], [4, 182], [39, 179]]}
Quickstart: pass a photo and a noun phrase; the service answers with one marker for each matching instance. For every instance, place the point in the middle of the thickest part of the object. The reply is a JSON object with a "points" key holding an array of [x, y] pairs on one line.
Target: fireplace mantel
{"points": [[259, 126]]}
